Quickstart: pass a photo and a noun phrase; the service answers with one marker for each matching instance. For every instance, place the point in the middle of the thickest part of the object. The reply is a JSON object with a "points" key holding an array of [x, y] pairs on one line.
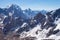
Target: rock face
{"points": [[1, 34]]}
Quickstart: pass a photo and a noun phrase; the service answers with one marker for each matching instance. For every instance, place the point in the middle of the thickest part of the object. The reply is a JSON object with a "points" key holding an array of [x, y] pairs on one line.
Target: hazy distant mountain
{"points": [[31, 13]]}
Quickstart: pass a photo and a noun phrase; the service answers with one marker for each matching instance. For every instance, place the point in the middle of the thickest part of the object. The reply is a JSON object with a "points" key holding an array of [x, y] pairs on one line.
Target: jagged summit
{"points": [[14, 6]]}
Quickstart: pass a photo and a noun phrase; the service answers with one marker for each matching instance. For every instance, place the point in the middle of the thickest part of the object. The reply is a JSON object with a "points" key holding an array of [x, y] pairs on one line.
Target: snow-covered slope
{"points": [[51, 28]]}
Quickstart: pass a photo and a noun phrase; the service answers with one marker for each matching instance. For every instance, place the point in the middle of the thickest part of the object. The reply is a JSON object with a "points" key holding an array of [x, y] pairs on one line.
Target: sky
{"points": [[33, 4]]}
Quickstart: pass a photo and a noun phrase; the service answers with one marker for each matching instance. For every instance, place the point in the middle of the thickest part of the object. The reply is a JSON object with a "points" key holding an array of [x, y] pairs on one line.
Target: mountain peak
{"points": [[14, 6]]}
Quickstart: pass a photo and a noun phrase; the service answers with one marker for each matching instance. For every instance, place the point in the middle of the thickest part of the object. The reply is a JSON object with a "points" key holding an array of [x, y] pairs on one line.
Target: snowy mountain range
{"points": [[38, 24]]}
